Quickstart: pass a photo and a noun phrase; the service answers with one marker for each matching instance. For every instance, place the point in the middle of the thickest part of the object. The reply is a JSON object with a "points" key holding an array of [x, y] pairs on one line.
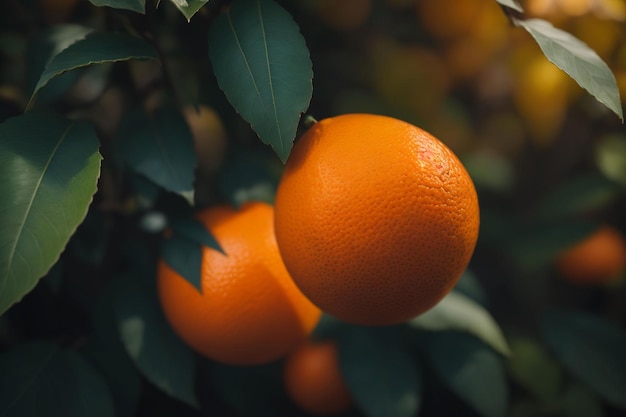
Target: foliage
{"points": [[101, 169]]}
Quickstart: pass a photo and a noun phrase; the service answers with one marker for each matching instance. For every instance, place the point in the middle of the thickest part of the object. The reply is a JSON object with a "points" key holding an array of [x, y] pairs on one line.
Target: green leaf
{"points": [[189, 7], [592, 349], [247, 176], [133, 5], [262, 64], [184, 256], [196, 231], [49, 168], [511, 4], [578, 401], [160, 147], [43, 380], [578, 60], [534, 368], [107, 354], [582, 194], [381, 374], [152, 344], [96, 48], [536, 245], [469, 286], [472, 370], [458, 312]]}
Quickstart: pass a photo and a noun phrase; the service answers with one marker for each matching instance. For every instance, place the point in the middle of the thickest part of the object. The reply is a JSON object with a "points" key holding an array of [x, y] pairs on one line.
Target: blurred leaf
{"points": [[160, 147], [578, 401], [458, 312], [611, 157], [43, 380], [534, 246], [262, 63], [578, 60], [532, 367], [184, 256], [490, 170], [107, 354], [469, 286], [196, 231], [250, 390], [96, 48], [246, 177], [50, 167], [381, 374], [471, 369], [511, 4], [152, 344], [133, 5], [592, 349], [584, 193], [188, 7]]}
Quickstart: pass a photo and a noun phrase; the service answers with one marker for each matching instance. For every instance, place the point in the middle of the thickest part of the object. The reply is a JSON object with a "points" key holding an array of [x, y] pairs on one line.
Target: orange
{"points": [[249, 311], [314, 381], [375, 218], [445, 19], [599, 258]]}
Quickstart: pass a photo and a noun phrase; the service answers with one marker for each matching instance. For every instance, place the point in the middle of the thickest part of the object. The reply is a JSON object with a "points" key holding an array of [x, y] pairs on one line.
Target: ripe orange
{"points": [[249, 310], [313, 379], [375, 218], [599, 258]]}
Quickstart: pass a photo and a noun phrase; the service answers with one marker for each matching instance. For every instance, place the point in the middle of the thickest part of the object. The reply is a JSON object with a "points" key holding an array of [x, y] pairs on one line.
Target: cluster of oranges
{"points": [[374, 221]]}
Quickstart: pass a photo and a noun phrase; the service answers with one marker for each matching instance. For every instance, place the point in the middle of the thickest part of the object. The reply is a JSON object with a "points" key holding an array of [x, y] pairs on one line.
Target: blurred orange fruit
{"points": [[448, 18], [248, 310], [314, 381], [375, 218], [600, 258], [209, 136]]}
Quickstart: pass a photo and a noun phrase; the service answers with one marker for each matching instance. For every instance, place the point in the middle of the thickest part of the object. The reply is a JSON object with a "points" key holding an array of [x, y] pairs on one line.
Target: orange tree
{"points": [[121, 120]]}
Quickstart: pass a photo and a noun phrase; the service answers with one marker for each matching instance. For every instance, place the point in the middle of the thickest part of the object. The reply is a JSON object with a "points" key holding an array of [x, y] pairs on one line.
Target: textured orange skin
{"points": [[375, 218], [249, 312], [600, 258], [313, 379]]}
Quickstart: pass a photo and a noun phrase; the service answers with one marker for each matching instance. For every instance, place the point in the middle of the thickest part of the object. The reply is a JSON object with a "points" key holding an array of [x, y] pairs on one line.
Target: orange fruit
{"points": [[375, 218], [313, 379], [599, 258], [249, 310], [446, 19]]}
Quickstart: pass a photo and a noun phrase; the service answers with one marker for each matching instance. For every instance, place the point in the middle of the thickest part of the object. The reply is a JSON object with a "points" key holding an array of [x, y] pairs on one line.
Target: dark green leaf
{"points": [[578, 60], [108, 355], [184, 256], [43, 380], [43, 48], [533, 368], [96, 48], [381, 374], [537, 245], [469, 286], [152, 344], [262, 63], [471, 369], [511, 4], [134, 5], [592, 349], [584, 193], [578, 401], [247, 176], [189, 7], [458, 312], [160, 147], [49, 168], [195, 230]]}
